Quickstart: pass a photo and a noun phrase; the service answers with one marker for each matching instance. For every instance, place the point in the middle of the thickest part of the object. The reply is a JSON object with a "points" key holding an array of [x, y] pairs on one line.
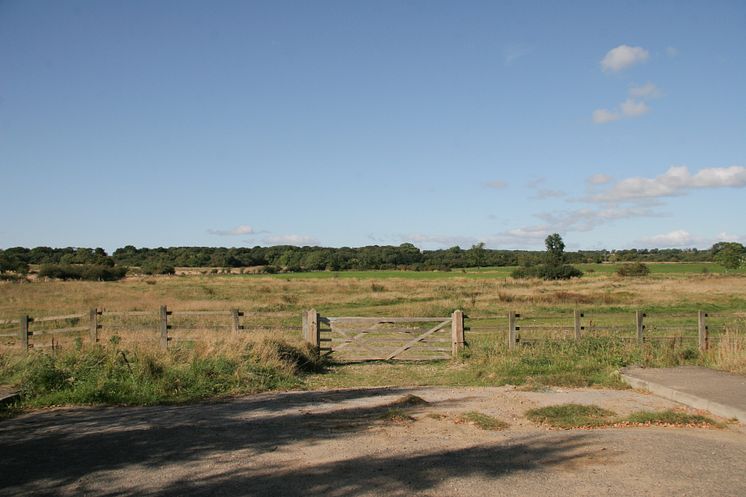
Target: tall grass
{"points": [[590, 361], [111, 374], [729, 353]]}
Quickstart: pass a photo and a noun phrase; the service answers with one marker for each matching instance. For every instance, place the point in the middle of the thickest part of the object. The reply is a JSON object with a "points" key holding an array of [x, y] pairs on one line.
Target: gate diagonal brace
{"points": [[353, 339], [409, 344]]}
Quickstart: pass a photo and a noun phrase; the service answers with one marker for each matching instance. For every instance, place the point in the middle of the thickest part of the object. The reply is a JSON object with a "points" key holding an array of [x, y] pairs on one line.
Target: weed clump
{"points": [[482, 421], [671, 418], [568, 416]]}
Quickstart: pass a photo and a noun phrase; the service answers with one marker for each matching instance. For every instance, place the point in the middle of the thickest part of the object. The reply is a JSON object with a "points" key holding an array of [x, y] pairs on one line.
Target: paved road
{"points": [[336, 443]]}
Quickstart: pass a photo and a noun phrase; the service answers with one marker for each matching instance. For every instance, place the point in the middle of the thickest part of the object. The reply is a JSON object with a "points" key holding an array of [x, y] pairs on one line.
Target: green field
{"points": [[590, 270]]}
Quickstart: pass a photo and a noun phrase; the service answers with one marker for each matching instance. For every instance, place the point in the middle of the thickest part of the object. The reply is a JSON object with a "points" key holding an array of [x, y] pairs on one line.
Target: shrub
{"points": [[548, 272], [633, 269], [90, 272], [157, 267]]}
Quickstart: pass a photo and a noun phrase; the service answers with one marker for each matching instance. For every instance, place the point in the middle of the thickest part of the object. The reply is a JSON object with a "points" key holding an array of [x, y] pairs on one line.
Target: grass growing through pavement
{"points": [[567, 416], [671, 417], [483, 421], [570, 416]]}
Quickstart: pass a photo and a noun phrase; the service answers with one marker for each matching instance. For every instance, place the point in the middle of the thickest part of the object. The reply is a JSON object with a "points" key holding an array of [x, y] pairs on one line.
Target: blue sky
{"points": [[617, 124]]}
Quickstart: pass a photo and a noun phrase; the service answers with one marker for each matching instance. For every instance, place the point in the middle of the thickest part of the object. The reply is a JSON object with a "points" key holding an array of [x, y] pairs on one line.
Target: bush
{"points": [[633, 269], [158, 268], [548, 272], [90, 272]]}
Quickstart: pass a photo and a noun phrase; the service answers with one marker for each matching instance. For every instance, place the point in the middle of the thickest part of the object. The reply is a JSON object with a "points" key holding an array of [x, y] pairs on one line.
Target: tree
{"points": [[555, 250], [730, 255], [477, 253]]}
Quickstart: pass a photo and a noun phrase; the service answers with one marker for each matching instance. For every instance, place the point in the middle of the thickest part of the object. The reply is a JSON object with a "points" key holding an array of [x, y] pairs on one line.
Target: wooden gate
{"points": [[385, 338]]}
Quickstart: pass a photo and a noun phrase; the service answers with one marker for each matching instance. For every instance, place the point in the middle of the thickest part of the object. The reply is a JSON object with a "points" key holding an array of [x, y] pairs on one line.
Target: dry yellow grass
{"points": [[397, 296], [729, 353], [279, 301]]}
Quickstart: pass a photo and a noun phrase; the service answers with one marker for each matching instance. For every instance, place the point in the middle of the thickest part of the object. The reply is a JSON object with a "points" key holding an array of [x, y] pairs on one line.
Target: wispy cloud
{"points": [[672, 51], [496, 184], [599, 179], [589, 218], [519, 238], [545, 193], [681, 238], [676, 181], [420, 239], [648, 90], [622, 57], [298, 240], [630, 108], [541, 192], [514, 51], [676, 238], [243, 229]]}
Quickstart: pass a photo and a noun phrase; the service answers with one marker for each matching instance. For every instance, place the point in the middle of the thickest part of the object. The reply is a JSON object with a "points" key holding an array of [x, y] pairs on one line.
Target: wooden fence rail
{"points": [[580, 328], [28, 327], [379, 337]]}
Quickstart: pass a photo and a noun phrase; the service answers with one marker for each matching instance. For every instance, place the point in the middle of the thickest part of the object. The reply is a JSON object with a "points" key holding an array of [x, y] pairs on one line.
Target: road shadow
{"points": [[46, 452]]}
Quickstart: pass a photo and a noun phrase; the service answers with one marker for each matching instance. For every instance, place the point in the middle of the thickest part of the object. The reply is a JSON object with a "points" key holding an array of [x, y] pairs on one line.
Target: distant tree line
{"points": [[291, 258]]}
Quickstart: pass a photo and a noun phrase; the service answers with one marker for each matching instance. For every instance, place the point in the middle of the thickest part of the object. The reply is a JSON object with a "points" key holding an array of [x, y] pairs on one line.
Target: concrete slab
{"points": [[723, 394]]}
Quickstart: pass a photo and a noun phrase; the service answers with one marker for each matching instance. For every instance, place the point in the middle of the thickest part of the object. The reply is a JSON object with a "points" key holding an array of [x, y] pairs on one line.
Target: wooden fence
{"points": [[165, 326], [699, 327], [384, 338], [373, 338]]}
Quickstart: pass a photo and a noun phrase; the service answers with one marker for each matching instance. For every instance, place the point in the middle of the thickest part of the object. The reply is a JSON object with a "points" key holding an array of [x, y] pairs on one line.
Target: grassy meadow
{"points": [[269, 353]]}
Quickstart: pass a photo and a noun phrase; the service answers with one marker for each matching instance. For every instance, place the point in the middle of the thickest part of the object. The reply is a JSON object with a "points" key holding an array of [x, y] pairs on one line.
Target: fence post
{"points": [[311, 328], [23, 332], [703, 330], [576, 317], [236, 321], [512, 328], [94, 326], [639, 315], [164, 327], [457, 332]]}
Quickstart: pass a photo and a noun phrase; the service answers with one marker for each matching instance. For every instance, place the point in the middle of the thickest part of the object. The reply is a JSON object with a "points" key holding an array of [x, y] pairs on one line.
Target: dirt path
{"points": [[336, 443]]}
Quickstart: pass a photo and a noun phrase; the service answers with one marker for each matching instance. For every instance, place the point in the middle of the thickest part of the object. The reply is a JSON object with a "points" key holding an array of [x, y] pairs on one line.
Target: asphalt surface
{"points": [[342, 443]]}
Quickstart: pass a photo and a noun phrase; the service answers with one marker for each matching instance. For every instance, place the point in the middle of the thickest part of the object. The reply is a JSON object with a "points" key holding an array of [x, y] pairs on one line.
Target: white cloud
{"points": [[672, 51], [497, 184], [589, 218], [628, 109], [676, 181], [648, 90], [603, 116], [622, 57], [243, 229], [519, 238], [546, 193], [599, 179], [298, 240], [727, 237], [633, 108], [438, 240], [677, 238]]}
